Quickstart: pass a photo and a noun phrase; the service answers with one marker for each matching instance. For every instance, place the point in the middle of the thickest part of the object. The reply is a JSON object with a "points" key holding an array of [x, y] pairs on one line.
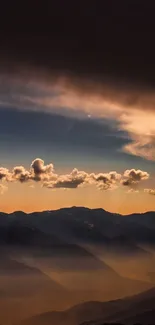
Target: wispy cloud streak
{"points": [[133, 109]]}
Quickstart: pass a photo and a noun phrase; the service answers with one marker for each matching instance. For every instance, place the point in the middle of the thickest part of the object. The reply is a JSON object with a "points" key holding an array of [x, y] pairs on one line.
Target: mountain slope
{"points": [[83, 274], [24, 290], [71, 262], [136, 309], [97, 313], [47, 252]]}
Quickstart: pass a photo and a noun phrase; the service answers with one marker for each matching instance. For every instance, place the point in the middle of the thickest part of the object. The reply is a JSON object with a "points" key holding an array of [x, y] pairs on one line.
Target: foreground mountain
{"points": [[139, 308], [56, 259]]}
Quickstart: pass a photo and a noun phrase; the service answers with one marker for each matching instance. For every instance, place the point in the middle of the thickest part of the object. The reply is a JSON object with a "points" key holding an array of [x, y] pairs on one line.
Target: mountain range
{"points": [[54, 260], [87, 225]]}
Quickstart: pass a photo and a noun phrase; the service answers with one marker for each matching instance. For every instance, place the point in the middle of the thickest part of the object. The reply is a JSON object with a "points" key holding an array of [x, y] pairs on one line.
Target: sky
{"points": [[77, 106]]}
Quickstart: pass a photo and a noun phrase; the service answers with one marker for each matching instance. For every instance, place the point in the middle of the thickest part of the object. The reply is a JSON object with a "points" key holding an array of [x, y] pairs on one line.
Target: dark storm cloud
{"points": [[99, 55], [98, 47], [93, 39]]}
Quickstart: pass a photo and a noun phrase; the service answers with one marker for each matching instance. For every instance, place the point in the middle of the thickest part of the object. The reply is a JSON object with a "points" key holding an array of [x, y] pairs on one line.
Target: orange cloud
{"points": [[45, 174], [132, 107]]}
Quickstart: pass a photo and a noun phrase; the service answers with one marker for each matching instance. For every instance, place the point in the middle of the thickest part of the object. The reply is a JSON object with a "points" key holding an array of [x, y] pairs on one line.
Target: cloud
{"points": [[4, 172], [131, 190], [39, 167], [140, 126], [149, 191], [83, 49], [132, 177], [71, 183], [72, 180], [132, 108], [105, 181], [3, 188], [103, 76], [21, 174], [39, 172], [106, 75]]}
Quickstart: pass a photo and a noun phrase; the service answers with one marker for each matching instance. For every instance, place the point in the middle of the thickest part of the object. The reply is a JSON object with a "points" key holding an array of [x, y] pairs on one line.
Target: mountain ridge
{"points": [[99, 312], [77, 207]]}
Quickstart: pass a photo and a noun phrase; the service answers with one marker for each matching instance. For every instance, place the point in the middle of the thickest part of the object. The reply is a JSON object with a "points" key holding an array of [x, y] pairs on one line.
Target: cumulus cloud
{"points": [[21, 174], [45, 174], [3, 188], [105, 181], [132, 177], [39, 171], [39, 167], [149, 191], [131, 190], [4, 172], [73, 180]]}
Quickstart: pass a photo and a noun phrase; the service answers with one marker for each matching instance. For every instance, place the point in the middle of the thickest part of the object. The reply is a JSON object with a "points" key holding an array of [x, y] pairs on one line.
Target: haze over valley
{"points": [[52, 261]]}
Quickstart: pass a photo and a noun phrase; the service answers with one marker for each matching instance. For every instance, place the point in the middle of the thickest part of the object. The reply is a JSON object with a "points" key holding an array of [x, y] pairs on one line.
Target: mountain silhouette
{"points": [[25, 289], [81, 224], [139, 308], [51, 260]]}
